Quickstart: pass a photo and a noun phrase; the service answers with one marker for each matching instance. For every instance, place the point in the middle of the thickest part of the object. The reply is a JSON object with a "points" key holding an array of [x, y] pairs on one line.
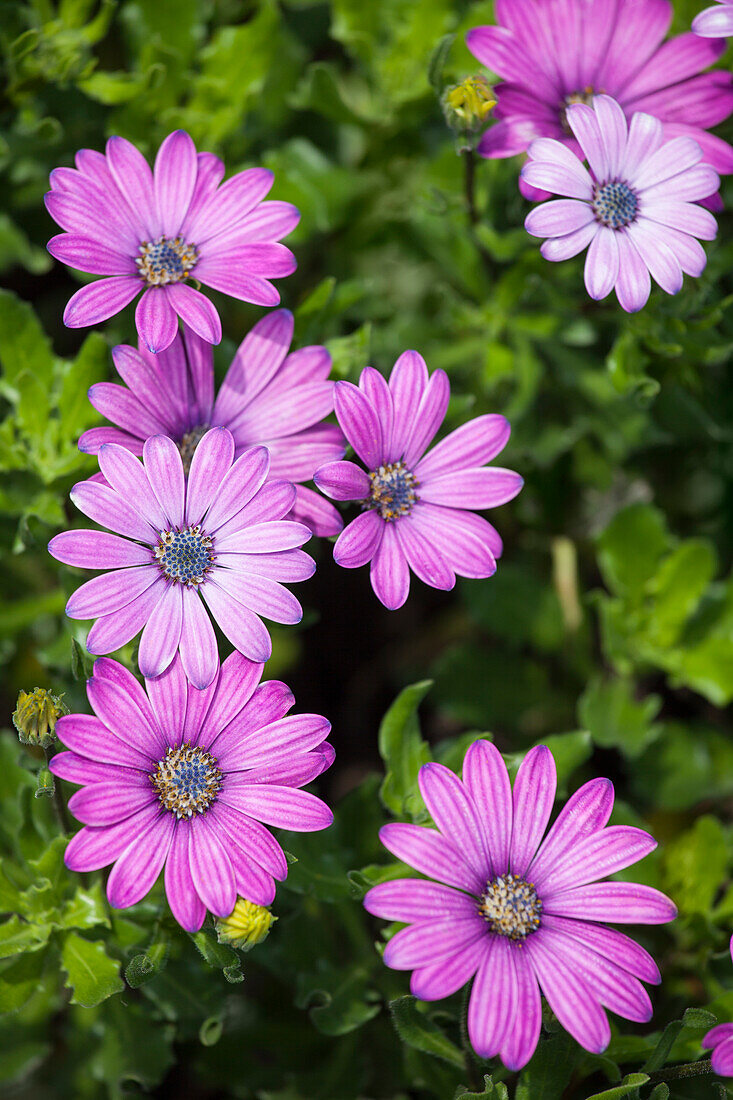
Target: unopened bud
{"points": [[36, 715], [247, 925], [468, 105]]}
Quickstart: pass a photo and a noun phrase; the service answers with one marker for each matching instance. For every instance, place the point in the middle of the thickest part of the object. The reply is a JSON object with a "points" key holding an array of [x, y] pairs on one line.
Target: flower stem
{"points": [[690, 1069], [469, 1058], [469, 162]]}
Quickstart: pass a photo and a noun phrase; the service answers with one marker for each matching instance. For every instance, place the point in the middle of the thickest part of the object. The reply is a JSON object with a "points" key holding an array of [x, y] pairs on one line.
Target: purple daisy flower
{"points": [[554, 55], [720, 1040], [416, 506], [268, 397], [151, 231], [186, 780], [519, 912], [635, 209], [715, 23], [217, 538]]}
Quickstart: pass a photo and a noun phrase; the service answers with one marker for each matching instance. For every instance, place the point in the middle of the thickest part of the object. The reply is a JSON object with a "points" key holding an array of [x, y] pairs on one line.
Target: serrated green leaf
{"points": [[415, 1029], [17, 936], [20, 980], [92, 975]]}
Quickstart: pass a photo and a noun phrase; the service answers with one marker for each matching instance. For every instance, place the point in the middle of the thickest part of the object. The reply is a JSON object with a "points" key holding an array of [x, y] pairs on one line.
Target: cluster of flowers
{"points": [[184, 777]]}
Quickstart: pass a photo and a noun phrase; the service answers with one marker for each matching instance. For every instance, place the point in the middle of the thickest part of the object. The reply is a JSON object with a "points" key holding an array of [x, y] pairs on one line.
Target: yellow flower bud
{"points": [[468, 105], [247, 925], [36, 715]]}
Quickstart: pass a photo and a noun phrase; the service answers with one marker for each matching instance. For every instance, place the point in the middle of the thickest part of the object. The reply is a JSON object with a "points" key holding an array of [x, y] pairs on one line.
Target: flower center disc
{"points": [[185, 556], [188, 444], [511, 907], [167, 260], [187, 781], [614, 204], [392, 490]]}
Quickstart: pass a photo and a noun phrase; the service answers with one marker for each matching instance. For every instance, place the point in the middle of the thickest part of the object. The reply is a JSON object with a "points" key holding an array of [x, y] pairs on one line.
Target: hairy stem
{"points": [[690, 1069]]}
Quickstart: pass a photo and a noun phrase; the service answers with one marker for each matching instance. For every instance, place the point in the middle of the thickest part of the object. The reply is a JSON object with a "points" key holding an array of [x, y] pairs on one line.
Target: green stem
{"points": [[469, 161], [469, 1058], [690, 1069]]}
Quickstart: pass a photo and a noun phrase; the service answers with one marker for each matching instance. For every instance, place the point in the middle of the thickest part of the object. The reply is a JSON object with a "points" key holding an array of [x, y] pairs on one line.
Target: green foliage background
{"points": [[607, 632]]}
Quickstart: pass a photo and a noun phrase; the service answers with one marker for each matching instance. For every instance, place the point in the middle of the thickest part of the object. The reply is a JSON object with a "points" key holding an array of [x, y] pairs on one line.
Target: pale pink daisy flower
{"points": [[634, 208], [216, 539]]}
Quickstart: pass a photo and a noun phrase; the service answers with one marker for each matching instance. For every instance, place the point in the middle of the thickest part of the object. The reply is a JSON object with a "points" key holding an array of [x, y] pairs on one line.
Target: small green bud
{"points": [[36, 715], [247, 925], [467, 105]]}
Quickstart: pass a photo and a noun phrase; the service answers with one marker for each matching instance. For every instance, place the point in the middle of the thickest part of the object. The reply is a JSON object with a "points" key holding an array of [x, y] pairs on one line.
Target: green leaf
{"points": [[403, 751], [615, 719], [693, 881], [92, 974], [338, 1002], [438, 58], [547, 1074], [628, 1087], [20, 980], [17, 936], [24, 347], [490, 1091], [19, 1062], [631, 547], [415, 1029], [693, 1017], [211, 1030], [144, 966], [217, 955]]}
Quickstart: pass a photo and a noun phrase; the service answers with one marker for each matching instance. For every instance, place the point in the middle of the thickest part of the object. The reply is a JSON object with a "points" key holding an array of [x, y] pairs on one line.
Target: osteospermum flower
{"points": [[553, 55], [155, 231], [415, 506], [268, 397], [715, 22], [216, 538], [635, 209], [520, 913], [720, 1039], [186, 780]]}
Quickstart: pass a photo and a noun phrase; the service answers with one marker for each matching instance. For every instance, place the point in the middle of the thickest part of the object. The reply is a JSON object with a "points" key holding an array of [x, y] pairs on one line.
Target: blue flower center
{"points": [[615, 204], [187, 780], [185, 556], [167, 260], [392, 490], [511, 907]]}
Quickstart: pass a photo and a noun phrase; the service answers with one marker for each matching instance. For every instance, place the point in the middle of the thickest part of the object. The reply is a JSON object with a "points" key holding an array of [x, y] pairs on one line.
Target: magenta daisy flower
{"points": [[715, 23], [216, 538], [520, 913], [152, 231], [415, 506], [720, 1040], [268, 398], [186, 780], [554, 55], [635, 210]]}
